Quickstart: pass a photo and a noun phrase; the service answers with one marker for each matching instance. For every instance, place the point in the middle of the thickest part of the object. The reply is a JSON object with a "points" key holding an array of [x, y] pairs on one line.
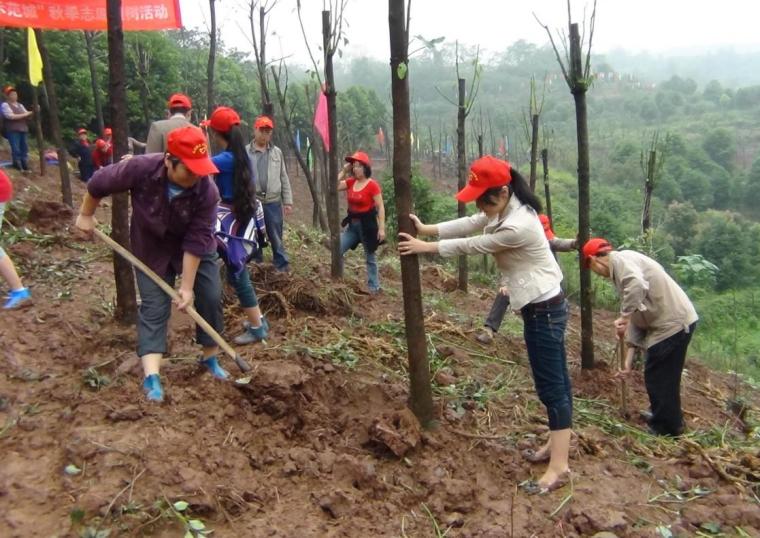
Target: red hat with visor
{"points": [[485, 173], [263, 122], [189, 145], [222, 119], [179, 100], [594, 247], [359, 156]]}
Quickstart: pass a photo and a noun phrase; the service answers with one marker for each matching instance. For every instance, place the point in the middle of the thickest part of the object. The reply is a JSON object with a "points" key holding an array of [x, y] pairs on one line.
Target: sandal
{"points": [[535, 456], [532, 487]]}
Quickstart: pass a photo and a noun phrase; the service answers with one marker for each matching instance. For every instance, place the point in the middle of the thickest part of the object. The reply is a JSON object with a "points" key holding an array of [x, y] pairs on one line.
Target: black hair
{"points": [[519, 187], [243, 190], [178, 110], [367, 170]]}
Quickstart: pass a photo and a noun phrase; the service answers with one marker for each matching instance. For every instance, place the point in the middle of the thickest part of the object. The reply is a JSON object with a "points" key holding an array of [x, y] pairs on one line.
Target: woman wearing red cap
{"points": [[100, 156], [365, 222], [511, 232], [16, 127], [172, 232], [656, 316], [19, 295], [83, 153], [238, 192]]}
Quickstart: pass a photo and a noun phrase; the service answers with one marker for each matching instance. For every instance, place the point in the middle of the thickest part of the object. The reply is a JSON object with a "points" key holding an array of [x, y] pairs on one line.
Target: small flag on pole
{"points": [[321, 123]]}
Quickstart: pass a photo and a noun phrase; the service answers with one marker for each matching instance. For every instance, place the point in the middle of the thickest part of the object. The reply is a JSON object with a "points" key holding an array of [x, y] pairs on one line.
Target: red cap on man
{"points": [[189, 145], [263, 122], [359, 156], [179, 100], [222, 119], [8, 89], [101, 144], [82, 131], [594, 247], [485, 173]]}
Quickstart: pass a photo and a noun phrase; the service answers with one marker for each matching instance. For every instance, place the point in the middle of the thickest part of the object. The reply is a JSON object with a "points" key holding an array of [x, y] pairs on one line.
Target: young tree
{"points": [[260, 48], [651, 170], [126, 299], [211, 60], [55, 123], [89, 37], [420, 391], [578, 78]]}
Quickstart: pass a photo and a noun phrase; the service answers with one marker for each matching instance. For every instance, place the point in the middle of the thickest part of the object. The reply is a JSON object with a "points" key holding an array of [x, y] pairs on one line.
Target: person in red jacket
{"points": [[19, 295], [100, 155]]}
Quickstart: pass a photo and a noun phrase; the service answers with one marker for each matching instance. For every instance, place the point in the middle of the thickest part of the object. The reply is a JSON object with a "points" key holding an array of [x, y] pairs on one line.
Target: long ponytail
{"points": [[243, 190], [520, 188]]}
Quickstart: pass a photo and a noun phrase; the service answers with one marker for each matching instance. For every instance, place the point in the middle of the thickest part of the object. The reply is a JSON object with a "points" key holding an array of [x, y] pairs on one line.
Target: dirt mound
{"points": [[48, 216]]}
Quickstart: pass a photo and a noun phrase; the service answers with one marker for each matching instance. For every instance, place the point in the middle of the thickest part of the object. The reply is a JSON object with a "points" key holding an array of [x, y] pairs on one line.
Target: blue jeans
{"points": [[544, 330], [350, 238], [243, 287], [273, 218], [19, 149]]}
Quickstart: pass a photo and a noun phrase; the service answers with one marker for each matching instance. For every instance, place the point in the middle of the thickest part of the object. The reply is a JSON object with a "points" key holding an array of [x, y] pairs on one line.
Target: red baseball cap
{"points": [[189, 145], [359, 156], [101, 144], [263, 122], [82, 131], [6, 187], [179, 100], [485, 173], [107, 131], [547, 224], [594, 247], [8, 89], [222, 119]]}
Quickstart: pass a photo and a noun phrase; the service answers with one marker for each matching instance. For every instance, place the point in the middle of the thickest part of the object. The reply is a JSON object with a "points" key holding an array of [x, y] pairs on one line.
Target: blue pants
{"points": [[350, 238], [544, 330], [243, 287], [19, 149], [273, 218]]}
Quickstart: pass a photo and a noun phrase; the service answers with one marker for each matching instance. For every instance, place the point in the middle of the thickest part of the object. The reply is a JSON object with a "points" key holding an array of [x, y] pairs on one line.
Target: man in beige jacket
{"points": [[180, 110], [655, 315]]}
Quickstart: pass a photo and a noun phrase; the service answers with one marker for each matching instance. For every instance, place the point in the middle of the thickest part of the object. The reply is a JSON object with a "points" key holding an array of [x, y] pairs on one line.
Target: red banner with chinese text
{"points": [[89, 14]]}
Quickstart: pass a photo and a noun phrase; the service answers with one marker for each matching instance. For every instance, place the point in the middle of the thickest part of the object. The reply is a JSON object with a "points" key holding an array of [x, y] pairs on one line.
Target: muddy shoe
{"points": [[533, 487], [18, 299], [253, 334], [153, 389], [212, 363], [646, 416], [485, 336], [535, 456]]}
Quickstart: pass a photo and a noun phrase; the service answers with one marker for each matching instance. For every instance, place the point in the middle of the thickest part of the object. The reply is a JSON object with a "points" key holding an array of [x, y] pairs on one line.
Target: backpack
{"points": [[235, 246]]}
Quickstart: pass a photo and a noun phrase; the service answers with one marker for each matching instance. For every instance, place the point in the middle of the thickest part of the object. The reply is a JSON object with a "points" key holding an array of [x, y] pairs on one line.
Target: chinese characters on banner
{"points": [[89, 14]]}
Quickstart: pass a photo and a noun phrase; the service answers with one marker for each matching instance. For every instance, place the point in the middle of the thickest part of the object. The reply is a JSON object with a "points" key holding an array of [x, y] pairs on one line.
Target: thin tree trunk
{"points": [[584, 195], [533, 151], [88, 39], [646, 217], [461, 176], [493, 140], [547, 192], [440, 152], [301, 162], [336, 265], [432, 149], [55, 122], [211, 61], [420, 391], [38, 128], [126, 300]]}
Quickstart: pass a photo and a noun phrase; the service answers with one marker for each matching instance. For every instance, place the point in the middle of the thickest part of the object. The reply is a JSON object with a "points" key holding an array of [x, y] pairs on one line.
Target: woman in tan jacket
{"points": [[510, 231]]}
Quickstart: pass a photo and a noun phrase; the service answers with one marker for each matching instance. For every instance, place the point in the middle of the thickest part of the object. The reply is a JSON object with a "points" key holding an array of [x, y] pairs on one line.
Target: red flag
{"points": [[380, 137], [502, 148], [89, 14], [321, 123]]}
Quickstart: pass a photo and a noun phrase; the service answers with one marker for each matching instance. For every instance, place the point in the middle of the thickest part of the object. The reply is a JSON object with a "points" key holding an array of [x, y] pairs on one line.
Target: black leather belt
{"points": [[557, 299]]}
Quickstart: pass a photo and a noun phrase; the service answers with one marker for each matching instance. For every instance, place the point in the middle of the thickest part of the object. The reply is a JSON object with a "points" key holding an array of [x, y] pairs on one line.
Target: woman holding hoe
{"points": [[511, 232]]}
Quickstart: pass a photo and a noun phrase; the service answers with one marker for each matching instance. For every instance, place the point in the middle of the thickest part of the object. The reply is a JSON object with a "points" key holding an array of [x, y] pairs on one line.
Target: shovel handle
{"points": [[171, 292], [623, 388]]}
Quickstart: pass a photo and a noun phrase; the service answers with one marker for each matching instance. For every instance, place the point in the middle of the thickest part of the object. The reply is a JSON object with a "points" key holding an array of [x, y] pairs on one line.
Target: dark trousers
{"points": [[544, 330], [243, 287], [156, 306], [662, 377], [498, 309], [274, 220]]}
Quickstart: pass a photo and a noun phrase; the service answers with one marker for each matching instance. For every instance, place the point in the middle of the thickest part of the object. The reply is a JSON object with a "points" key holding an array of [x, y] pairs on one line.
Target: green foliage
{"points": [[428, 205], [695, 271]]}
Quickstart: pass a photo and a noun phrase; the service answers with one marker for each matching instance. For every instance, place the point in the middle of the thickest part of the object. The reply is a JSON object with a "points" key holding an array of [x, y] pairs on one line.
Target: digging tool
{"points": [[623, 387], [127, 255]]}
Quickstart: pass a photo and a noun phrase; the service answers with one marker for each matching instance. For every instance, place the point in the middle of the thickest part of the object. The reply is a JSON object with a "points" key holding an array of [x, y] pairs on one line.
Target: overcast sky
{"points": [[635, 25]]}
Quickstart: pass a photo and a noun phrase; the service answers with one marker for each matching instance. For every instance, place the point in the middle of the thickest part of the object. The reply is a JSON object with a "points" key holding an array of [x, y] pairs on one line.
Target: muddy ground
{"points": [[319, 442]]}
